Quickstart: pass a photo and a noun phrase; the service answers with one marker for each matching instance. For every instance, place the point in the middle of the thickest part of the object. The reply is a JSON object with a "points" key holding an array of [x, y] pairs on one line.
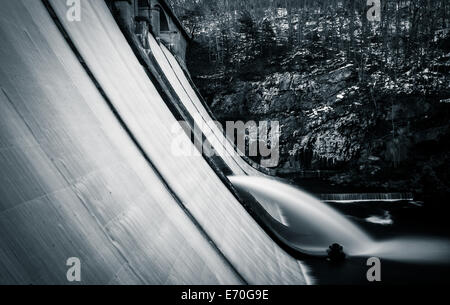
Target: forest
{"points": [[366, 98], [235, 33]]}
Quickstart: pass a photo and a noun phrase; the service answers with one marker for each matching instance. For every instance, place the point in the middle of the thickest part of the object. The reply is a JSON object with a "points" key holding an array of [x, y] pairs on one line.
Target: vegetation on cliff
{"points": [[367, 98]]}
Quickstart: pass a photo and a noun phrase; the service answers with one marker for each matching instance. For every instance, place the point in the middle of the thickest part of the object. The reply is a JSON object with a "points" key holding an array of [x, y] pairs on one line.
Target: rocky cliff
{"points": [[385, 133]]}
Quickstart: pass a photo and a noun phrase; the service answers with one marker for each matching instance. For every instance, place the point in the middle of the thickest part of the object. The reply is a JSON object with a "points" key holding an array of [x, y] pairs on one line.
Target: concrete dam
{"points": [[86, 112]]}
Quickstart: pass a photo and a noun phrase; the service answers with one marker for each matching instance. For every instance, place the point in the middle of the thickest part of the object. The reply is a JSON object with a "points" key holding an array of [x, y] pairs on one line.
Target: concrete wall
{"points": [[86, 170], [173, 38], [141, 16], [72, 182]]}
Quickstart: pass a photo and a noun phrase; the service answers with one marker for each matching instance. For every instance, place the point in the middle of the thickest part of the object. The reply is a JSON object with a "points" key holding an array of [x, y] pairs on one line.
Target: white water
{"points": [[385, 220], [424, 250], [313, 226], [366, 197]]}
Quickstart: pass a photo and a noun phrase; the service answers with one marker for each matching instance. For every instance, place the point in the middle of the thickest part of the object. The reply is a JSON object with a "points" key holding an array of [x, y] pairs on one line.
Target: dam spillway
{"points": [[86, 170]]}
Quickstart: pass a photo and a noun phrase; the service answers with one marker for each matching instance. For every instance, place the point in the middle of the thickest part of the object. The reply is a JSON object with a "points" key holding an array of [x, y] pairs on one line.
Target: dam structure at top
{"points": [[86, 111], [156, 17]]}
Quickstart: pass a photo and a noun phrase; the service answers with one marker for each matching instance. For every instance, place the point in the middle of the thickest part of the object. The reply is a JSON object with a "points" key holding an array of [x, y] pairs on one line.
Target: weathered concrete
{"points": [[156, 17], [87, 173]]}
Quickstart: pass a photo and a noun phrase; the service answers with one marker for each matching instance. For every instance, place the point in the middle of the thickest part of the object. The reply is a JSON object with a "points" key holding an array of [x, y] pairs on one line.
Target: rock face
{"points": [[329, 120], [311, 116]]}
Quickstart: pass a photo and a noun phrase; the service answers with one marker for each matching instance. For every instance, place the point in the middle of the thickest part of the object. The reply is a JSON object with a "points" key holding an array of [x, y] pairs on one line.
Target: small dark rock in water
{"points": [[336, 253]]}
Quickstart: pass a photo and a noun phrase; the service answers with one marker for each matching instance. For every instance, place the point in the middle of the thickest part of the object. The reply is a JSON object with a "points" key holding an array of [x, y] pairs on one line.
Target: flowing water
{"points": [[366, 197], [411, 249], [315, 225]]}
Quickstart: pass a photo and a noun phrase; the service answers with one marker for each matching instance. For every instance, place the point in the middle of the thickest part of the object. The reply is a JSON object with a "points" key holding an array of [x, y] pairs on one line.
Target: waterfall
{"points": [[365, 197], [313, 226]]}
